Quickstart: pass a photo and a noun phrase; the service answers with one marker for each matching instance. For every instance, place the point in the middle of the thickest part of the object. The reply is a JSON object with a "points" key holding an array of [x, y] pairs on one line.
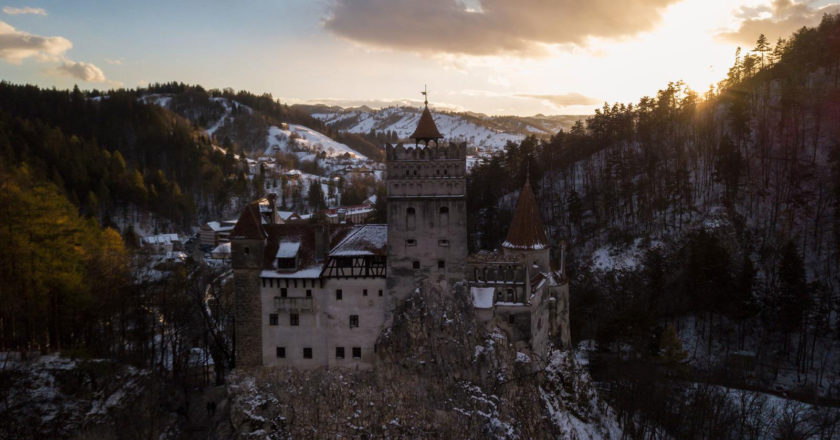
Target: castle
{"points": [[310, 295]]}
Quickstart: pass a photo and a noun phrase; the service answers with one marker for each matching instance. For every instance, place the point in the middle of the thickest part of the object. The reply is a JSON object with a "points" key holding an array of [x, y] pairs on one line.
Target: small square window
{"points": [[354, 321], [441, 264], [415, 264], [307, 352], [281, 352], [364, 292], [339, 352], [380, 292], [309, 293], [411, 242], [357, 352], [443, 243], [511, 319], [338, 294], [272, 319], [284, 292], [294, 319]]}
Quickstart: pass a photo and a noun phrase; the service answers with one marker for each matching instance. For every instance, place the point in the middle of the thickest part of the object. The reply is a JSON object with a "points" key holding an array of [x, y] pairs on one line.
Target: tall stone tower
{"points": [[247, 256], [427, 210]]}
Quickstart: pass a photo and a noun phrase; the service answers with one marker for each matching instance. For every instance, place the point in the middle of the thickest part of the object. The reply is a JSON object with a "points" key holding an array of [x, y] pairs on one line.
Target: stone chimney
{"points": [[563, 258], [322, 241], [272, 204]]}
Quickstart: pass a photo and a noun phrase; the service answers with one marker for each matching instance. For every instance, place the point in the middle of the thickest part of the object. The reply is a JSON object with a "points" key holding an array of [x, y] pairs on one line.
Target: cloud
{"points": [[17, 45], [778, 20], [81, 71], [521, 27], [114, 61], [27, 10], [565, 100]]}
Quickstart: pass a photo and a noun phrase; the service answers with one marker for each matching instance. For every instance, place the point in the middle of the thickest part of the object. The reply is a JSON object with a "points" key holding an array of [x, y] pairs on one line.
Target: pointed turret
{"points": [[527, 231], [426, 128]]}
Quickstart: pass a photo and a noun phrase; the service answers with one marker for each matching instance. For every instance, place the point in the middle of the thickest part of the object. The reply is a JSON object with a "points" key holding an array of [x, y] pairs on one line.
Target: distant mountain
{"points": [[478, 130]]}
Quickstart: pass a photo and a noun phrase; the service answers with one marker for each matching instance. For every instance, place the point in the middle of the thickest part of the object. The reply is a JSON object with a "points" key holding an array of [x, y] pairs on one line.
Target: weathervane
{"points": [[425, 93]]}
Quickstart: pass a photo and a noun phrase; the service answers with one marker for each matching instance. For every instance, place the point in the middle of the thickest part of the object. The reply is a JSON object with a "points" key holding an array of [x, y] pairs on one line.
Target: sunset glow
{"points": [[305, 52]]}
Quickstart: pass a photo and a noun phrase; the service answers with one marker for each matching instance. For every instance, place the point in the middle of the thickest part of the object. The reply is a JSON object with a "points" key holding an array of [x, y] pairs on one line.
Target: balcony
{"points": [[293, 304]]}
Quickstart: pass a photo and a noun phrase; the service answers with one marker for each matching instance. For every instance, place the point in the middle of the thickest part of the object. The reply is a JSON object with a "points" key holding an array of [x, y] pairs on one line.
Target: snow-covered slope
{"points": [[297, 138], [219, 114], [481, 131]]}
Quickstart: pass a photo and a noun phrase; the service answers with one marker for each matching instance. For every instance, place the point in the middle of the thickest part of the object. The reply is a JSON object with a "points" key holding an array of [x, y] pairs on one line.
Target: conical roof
{"points": [[526, 230], [426, 128]]}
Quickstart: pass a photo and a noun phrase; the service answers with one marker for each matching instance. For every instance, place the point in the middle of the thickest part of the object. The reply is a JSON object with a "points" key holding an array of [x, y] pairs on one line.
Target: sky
{"points": [[496, 57]]}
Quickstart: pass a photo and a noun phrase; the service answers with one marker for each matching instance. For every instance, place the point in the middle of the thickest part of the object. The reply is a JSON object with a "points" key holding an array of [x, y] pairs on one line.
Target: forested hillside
{"points": [[114, 157], [240, 121], [704, 231]]}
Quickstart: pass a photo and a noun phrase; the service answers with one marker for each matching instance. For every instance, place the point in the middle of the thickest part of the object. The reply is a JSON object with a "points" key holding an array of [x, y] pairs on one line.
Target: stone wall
{"points": [[247, 261]]}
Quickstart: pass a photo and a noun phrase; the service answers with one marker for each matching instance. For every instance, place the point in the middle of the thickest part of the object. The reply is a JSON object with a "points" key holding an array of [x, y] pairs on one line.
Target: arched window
{"points": [[444, 216], [410, 219]]}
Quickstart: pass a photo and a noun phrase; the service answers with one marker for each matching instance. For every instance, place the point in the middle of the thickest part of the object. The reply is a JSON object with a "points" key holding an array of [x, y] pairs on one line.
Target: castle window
{"points": [[512, 319], [354, 321], [272, 319], [246, 250], [339, 352], [410, 218], [443, 243], [308, 293], [294, 319], [263, 282], [444, 171], [406, 172], [380, 292], [281, 352], [415, 264], [441, 264], [357, 352], [284, 292], [411, 242], [338, 294], [510, 295], [364, 292], [415, 173], [444, 216], [307, 352]]}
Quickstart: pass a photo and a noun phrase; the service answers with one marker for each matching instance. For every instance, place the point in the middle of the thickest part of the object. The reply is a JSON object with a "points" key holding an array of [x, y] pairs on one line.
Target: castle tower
{"points": [[526, 236], [427, 210], [247, 258]]}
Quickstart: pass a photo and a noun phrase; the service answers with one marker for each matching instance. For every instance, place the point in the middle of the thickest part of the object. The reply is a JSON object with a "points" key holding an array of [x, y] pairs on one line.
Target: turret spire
{"points": [[426, 128], [526, 229]]}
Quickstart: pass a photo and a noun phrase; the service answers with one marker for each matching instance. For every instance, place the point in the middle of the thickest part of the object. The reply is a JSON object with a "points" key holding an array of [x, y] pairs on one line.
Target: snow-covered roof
{"points": [[226, 225], [306, 272], [223, 248], [288, 249], [160, 239], [363, 240], [482, 297]]}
